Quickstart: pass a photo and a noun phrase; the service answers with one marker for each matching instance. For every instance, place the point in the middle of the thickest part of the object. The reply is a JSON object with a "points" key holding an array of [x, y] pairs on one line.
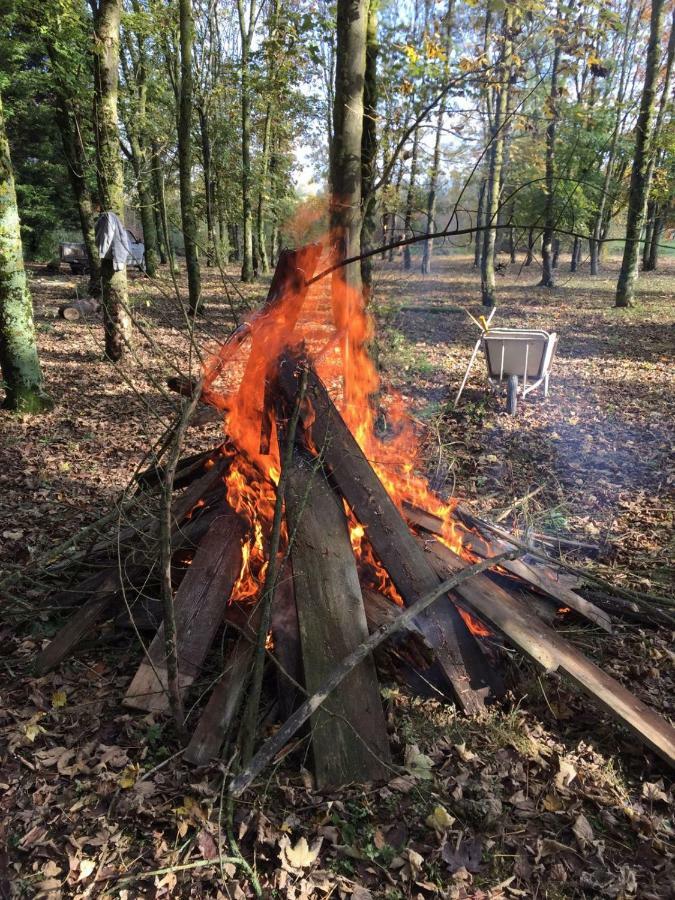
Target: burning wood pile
{"points": [[361, 538]]}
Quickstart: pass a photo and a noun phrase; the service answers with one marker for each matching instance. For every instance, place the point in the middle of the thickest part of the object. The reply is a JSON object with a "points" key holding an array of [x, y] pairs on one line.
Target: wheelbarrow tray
{"points": [[525, 353]]}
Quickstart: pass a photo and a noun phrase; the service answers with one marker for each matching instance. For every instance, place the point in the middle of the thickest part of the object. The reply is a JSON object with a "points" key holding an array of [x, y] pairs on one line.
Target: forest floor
{"points": [[546, 798]]}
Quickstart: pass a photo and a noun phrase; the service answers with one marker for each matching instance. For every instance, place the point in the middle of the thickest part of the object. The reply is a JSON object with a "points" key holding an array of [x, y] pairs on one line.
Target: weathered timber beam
{"points": [[547, 648], [459, 655], [542, 577], [349, 736], [199, 604]]}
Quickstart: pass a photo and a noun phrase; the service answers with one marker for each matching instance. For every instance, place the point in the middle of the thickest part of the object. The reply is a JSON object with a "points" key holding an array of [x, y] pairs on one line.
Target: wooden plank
{"points": [[221, 709], [352, 744], [78, 625], [286, 637], [545, 578], [531, 635], [199, 604], [458, 653]]}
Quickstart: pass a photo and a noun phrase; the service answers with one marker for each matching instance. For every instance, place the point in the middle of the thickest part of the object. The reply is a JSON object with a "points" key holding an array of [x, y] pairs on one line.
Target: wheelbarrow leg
{"points": [[546, 385], [468, 369]]}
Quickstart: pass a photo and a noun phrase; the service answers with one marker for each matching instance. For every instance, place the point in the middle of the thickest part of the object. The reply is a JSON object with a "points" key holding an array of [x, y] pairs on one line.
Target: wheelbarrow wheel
{"points": [[512, 395]]}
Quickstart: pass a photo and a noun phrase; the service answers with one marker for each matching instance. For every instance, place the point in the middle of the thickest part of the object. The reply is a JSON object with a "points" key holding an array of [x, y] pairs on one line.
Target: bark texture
{"points": [[625, 290], [492, 190], [345, 162], [188, 219], [115, 296], [18, 351]]}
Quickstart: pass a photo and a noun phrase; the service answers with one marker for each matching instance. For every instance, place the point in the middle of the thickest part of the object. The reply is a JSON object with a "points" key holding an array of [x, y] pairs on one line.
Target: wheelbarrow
{"points": [[519, 358]]}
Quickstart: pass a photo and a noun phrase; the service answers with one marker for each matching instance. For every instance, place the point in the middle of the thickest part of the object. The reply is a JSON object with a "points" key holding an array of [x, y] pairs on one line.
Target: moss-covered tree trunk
{"points": [[492, 190], [161, 221], [345, 164], [115, 295], [625, 289], [188, 219], [18, 351]]}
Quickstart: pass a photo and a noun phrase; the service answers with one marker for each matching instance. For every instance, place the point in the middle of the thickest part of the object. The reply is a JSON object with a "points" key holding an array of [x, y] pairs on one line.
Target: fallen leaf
{"points": [[87, 866], [300, 856], [583, 831], [418, 764], [467, 856], [654, 791], [129, 776], [206, 844], [552, 803], [59, 699], [440, 819]]}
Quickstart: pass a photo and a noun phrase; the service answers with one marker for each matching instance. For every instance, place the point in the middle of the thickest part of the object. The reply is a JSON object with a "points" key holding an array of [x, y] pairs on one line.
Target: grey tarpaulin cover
{"points": [[112, 240]]}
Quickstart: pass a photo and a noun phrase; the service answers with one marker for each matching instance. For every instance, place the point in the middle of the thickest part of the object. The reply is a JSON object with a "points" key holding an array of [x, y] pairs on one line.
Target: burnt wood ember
{"points": [[349, 735], [199, 606], [457, 651]]}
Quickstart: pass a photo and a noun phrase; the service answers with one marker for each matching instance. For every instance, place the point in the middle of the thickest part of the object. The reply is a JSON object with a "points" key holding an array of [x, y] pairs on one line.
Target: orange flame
{"points": [[336, 329]]}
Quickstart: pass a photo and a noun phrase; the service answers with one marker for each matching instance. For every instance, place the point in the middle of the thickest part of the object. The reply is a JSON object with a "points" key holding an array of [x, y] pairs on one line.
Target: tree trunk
{"points": [[478, 236], [529, 259], [549, 212], [512, 245], [345, 167], [115, 295], [209, 187], [495, 165], [369, 150], [136, 129], [18, 350], [261, 241], [161, 222], [657, 234], [410, 199], [576, 252], [625, 290], [75, 162], [656, 150], [246, 32], [188, 220], [594, 242], [392, 216], [556, 253], [428, 249]]}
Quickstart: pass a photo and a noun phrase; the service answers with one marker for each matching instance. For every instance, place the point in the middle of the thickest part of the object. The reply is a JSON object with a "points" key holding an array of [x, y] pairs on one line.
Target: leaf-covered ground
{"points": [[547, 798]]}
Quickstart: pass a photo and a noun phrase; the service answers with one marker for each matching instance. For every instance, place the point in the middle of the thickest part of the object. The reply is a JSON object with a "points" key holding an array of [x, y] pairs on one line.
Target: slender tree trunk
{"points": [[547, 266], [161, 221], [495, 167], [410, 200], [529, 258], [19, 360], [369, 151], [75, 162], [556, 253], [512, 245], [261, 240], [657, 234], [480, 216], [428, 248], [656, 150], [115, 294], [209, 191], [188, 219], [345, 168], [625, 290], [393, 214], [576, 248], [594, 243], [246, 32]]}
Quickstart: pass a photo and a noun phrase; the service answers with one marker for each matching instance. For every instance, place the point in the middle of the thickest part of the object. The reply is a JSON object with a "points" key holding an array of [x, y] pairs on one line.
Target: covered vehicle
{"points": [[75, 254]]}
